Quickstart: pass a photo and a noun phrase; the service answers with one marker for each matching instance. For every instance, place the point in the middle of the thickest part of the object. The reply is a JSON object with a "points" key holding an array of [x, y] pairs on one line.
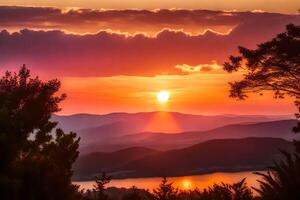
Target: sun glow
{"points": [[163, 96], [186, 184]]}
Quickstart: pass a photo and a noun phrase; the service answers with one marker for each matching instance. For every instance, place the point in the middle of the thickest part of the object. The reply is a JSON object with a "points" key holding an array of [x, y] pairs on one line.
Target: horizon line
{"points": [[174, 112]]}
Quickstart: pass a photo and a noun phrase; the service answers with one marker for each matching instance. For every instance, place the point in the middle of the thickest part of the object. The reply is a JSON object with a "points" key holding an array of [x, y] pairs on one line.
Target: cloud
{"points": [[130, 21], [108, 53], [214, 67]]}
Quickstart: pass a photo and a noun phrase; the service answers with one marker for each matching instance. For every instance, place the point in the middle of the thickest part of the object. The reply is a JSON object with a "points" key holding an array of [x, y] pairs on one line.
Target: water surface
{"points": [[184, 182]]}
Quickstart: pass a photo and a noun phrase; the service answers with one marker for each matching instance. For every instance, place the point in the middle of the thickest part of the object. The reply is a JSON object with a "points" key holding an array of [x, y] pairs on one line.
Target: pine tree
{"points": [[165, 191], [36, 158], [99, 188]]}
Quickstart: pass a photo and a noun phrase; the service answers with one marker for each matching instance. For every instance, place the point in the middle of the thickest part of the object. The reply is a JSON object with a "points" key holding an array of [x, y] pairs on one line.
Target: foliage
{"points": [[273, 66], [165, 191], [36, 160], [102, 181], [282, 180], [100, 187], [236, 191], [135, 194]]}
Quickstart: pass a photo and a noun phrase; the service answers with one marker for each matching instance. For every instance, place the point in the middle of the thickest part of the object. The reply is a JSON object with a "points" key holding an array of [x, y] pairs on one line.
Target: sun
{"points": [[163, 96]]}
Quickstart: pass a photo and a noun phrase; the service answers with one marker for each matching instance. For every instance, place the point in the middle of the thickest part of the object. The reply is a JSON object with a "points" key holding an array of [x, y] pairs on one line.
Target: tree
{"points": [[36, 159], [99, 188], [134, 194], [282, 180], [235, 191], [218, 192], [165, 191], [273, 66], [240, 191]]}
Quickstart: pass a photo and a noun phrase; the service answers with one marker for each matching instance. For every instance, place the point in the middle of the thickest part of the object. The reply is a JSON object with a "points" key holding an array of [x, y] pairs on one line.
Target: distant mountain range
{"points": [[96, 162], [153, 129], [168, 122], [175, 144], [210, 156], [165, 141]]}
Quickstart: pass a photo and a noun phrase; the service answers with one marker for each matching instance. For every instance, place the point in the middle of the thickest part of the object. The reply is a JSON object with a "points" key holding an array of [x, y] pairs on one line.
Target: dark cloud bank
{"points": [[107, 54]]}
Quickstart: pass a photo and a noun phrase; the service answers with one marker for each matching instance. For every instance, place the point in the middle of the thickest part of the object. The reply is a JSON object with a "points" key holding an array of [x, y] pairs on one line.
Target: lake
{"points": [[184, 182]]}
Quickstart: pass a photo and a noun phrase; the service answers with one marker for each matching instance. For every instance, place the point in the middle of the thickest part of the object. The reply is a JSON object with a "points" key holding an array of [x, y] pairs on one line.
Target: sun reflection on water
{"points": [[186, 184], [182, 183]]}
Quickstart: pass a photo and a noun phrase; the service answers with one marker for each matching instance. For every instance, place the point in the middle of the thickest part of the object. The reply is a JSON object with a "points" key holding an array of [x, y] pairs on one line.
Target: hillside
{"points": [[163, 141], [169, 122], [210, 156], [103, 161]]}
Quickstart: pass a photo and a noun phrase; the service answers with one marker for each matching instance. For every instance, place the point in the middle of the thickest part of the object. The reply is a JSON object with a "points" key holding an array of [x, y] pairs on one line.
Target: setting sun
{"points": [[166, 100], [163, 96]]}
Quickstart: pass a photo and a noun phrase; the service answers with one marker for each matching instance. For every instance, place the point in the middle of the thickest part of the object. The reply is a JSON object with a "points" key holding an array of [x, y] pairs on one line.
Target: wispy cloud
{"points": [[213, 67]]}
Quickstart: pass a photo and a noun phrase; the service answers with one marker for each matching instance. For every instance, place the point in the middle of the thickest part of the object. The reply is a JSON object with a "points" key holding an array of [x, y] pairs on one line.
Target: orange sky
{"points": [[117, 60], [201, 93], [281, 6]]}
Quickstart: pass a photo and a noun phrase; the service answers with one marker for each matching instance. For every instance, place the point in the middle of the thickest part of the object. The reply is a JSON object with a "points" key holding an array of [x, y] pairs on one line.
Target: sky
{"points": [[116, 57], [281, 6]]}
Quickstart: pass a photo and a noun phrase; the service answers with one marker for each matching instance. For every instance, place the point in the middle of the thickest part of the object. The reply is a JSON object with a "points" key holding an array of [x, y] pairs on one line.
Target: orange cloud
{"points": [[56, 53], [139, 53], [138, 43], [128, 21], [214, 67]]}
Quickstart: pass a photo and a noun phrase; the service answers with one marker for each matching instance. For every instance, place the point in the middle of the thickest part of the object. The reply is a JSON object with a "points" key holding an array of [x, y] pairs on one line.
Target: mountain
{"points": [[105, 132], [163, 141], [210, 156], [101, 133], [93, 162], [168, 122]]}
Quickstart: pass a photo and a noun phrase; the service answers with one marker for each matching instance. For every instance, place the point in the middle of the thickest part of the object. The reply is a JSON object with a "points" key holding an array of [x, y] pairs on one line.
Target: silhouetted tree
{"points": [[99, 188], [273, 66], [35, 160], [282, 180], [220, 192], [235, 191], [240, 191], [134, 194], [165, 191]]}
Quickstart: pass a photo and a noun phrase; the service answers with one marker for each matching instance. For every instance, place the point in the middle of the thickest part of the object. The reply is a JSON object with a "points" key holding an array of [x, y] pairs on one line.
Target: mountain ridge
{"points": [[82, 121], [210, 156], [165, 141]]}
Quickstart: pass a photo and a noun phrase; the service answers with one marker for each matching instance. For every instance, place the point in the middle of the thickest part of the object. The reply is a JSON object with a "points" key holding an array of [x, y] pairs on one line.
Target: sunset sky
{"points": [[282, 6], [115, 56]]}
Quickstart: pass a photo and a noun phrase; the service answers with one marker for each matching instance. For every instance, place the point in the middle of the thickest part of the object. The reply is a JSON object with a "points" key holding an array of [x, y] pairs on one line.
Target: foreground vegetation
{"points": [[166, 191], [37, 158], [281, 182]]}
